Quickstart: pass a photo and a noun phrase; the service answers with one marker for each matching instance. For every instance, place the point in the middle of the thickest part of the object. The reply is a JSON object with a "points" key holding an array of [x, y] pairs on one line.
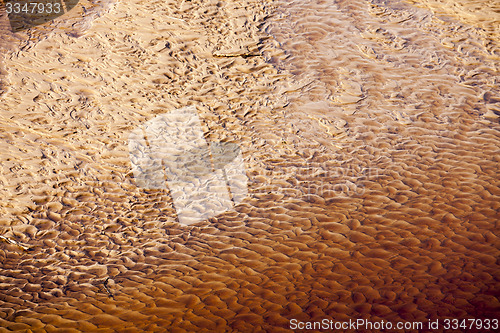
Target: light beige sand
{"points": [[417, 145]]}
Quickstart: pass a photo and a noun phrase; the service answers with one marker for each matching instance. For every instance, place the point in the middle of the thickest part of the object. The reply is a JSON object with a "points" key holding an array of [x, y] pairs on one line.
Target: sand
{"points": [[373, 167]]}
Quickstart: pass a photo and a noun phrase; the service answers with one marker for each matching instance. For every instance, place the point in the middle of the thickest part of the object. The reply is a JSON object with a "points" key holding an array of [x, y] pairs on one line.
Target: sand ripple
{"points": [[369, 131]]}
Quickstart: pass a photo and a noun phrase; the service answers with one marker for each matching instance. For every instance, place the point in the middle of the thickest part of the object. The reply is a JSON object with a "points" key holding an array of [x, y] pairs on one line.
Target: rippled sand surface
{"points": [[370, 134]]}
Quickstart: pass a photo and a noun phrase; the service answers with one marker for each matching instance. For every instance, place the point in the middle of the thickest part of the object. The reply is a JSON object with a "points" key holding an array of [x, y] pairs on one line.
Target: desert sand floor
{"points": [[370, 136]]}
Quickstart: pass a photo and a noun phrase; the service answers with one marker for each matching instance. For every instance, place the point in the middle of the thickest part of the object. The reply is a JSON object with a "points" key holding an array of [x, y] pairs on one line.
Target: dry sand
{"points": [[373, 166]]}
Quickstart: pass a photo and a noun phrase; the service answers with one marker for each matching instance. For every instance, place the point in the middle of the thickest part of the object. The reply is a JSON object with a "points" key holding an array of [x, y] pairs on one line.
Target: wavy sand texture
{"points": [[373, 169]]}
